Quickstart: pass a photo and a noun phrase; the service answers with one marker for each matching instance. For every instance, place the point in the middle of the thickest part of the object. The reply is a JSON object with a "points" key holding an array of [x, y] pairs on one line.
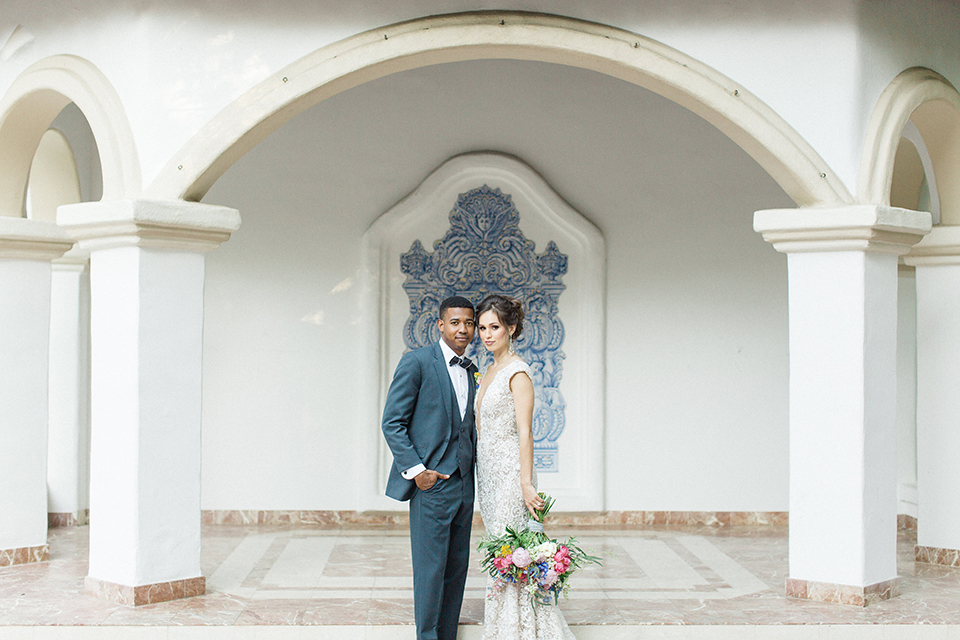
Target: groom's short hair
{"points": [[455, 302]]}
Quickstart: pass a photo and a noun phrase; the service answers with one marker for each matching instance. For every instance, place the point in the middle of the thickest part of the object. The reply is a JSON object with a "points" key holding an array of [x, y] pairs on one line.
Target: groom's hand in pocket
{"points": [[427, 478]]}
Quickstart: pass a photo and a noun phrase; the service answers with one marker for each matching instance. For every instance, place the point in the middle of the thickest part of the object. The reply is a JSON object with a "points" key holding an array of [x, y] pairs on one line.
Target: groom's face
{"points": [[456, 328]]}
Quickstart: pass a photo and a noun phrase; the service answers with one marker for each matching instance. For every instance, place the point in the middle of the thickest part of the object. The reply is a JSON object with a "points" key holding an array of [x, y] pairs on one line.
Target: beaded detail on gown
{"points": [[508, 615]]}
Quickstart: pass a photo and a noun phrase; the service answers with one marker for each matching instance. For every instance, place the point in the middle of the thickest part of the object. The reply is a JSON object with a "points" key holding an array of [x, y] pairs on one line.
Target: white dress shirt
{"points": [[460, 380]]}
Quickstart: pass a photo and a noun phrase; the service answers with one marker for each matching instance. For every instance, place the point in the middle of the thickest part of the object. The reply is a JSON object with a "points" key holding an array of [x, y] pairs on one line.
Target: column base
{"points": [[24, 555], [145, 593], [937, 555], [843, 593]]}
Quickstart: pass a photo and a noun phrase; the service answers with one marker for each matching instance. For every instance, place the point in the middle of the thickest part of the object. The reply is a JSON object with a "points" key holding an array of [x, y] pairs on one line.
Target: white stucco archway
{"points": [[740, 115], [933, 104], [31, 104]]}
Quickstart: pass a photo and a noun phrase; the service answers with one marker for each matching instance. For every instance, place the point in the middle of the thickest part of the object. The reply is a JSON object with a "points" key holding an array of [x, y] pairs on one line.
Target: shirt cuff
{"points": [[413, 472]]}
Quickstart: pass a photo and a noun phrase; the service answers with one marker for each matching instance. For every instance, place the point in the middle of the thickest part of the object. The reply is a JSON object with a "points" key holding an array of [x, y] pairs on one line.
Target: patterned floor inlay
{"points": [[276, 575]]}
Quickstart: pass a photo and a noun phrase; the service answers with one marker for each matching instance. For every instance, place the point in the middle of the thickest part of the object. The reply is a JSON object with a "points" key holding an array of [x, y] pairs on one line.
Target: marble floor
{"points": [[287, 576]]}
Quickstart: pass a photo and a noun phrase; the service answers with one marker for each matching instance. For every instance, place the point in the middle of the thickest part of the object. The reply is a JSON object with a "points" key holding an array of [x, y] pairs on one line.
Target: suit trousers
{"points": [[440, 521]]}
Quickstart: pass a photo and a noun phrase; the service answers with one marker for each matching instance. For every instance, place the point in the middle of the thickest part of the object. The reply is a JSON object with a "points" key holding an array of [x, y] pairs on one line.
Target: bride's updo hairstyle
{"points": [[508, 310]]}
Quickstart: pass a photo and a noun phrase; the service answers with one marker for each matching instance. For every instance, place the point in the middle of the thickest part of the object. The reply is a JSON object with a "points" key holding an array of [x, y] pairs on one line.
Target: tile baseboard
{"points": [[24, 555], [68, 519], [937, 555], [337, 519], [146, 593], [843, 593]]}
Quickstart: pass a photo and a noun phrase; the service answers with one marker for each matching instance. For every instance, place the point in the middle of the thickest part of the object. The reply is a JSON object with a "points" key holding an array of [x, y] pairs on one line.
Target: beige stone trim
{"points": [[23, 239], [146, 593], [68, 519], [940, 247], [937, 555], [24, 555], [337, 519], [865, 227], [843, 593], [148, 223]]}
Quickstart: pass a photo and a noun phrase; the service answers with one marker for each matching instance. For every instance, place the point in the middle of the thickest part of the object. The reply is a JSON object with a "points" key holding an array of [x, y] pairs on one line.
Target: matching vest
{"points": [[459, 452]]}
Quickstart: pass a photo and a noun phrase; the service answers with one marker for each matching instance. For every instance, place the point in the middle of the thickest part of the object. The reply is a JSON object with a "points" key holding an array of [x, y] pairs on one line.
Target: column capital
{"points": [[24, 239], [864, 227], [941, 246], [148, 223], [74, 260]]}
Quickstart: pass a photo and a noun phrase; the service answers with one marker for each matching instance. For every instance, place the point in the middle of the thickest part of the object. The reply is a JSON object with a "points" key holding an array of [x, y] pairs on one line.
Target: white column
{"points": [[146, 324], [842, 272], [68, 447], [937, 259], [26, 249]]}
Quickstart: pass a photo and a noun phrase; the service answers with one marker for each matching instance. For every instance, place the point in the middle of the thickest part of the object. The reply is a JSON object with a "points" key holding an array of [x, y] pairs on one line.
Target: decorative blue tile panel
{"points": [[485, 252]]}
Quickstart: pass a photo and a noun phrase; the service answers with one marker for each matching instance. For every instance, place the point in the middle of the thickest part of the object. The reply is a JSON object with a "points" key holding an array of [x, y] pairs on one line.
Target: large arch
{"points": [[740, 115], [35, 98], [933, 104]]}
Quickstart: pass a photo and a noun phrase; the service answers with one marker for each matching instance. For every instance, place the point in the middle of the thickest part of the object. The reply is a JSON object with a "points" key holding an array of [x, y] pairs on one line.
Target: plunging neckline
{"points": [[483, 396]]}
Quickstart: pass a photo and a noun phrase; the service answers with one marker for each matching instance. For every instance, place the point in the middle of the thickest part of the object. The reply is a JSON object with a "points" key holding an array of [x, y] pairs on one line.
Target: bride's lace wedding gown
{"points": [[509, 614]]}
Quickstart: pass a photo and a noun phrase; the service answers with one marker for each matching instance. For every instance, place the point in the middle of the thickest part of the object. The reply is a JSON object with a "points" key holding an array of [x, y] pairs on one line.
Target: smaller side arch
{"points": [[30, 105], [934, 105]]}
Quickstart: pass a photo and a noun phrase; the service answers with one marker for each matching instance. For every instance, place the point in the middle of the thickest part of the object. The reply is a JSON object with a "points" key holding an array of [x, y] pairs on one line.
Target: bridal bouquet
{"points": [[539, 565]]}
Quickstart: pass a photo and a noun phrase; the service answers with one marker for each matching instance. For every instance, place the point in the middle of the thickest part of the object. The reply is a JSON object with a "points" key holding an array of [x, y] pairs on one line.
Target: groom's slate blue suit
{"points": [[422, 425]]}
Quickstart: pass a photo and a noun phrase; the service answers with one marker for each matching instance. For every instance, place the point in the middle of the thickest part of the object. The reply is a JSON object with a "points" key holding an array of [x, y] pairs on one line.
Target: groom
{"points": [[428, 424]]}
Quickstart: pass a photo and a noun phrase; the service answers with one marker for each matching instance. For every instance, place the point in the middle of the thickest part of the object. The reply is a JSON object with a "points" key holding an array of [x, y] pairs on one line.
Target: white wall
{"points": [[175, 65], [696, 334], [907, 393], [25, 331]]}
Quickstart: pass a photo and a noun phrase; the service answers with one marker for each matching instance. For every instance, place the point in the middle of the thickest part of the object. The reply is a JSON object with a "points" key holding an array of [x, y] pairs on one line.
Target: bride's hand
{"points": [[532, 499]]}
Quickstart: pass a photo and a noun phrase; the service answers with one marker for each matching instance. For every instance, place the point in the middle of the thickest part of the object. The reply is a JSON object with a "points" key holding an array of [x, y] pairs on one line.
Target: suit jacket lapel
{"points": [[443, 378], [472, 388]]}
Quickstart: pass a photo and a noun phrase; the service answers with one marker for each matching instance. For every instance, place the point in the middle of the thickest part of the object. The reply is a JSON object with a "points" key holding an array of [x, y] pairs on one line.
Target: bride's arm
{"points": [[522, 389]]}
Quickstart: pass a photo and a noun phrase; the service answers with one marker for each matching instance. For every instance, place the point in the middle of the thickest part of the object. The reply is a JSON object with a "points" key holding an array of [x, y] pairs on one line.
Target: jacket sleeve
{"points": [[398, 412]]}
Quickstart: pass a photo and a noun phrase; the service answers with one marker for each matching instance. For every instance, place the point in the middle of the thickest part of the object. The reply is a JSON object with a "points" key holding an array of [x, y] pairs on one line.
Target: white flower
{"points": [[544, 551]]}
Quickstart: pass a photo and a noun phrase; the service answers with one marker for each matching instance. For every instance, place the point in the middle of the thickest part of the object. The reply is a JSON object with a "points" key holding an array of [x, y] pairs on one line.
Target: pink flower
{"points": [[521, 557], [503, 564], [550, 578]]}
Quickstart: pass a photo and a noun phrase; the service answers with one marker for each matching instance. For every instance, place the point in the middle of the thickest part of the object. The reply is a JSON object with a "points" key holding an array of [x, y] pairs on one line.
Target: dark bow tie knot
{"points": [[463, 361]]}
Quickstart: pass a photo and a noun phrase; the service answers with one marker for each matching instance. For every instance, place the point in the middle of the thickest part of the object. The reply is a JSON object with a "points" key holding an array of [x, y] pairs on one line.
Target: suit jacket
{"points": [[419, 414]]}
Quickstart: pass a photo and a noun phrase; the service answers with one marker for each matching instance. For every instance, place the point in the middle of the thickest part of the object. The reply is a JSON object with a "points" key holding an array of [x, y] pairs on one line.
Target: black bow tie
{"points": [[463, 361]]}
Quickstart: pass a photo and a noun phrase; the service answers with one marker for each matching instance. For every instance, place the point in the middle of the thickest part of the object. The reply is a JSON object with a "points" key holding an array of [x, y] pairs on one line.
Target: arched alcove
{"points": [[576, 469], [696, 302]]}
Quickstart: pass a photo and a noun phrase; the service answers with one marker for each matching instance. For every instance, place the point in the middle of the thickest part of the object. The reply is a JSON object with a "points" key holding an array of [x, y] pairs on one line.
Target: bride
{"points": [[506, 479]]}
